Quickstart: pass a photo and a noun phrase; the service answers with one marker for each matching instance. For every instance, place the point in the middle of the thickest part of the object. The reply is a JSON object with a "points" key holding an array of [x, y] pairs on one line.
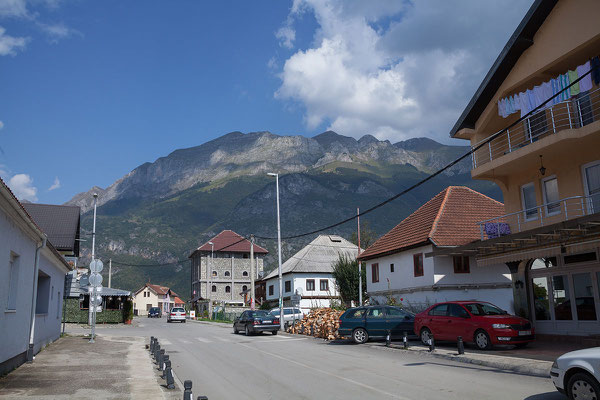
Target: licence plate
{"points": [[524, 333], [267, 322]]}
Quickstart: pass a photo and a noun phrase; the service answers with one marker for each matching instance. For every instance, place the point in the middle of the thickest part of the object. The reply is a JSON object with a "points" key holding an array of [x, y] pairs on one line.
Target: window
{"points": [[310, 285], [214, 274], [550, 191], [439, 311], [288, 286], [418, 264], [457, 311], [396, 313], [227, 273], [324, 283], [591, 177], [43, 293], [577, 258], [144, 294], [13, 268], [375, 313], [244, 288], [529, 202], [270, 290], [375, 273], [214, 288], [113, 303], [227, 289], [391, 267], [245, 273], [245, 255], [461, 264], [359, 313]]}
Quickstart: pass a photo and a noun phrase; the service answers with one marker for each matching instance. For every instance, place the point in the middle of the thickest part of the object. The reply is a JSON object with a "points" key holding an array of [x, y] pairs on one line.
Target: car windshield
{"points": [[178, 310], [484, 309], [154, 309]]}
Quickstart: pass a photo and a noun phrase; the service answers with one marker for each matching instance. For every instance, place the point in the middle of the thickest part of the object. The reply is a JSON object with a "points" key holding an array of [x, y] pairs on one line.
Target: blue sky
{"points": [[89, 90]]}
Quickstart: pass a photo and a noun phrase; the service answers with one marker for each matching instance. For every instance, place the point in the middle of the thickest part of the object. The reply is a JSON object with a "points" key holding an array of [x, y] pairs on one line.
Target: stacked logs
{"points": [[320, 322]]}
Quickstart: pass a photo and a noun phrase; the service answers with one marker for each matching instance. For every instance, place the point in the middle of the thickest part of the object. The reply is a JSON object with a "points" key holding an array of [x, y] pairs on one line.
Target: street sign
{"points": [[96, 279], [96, 266], [96, 301]]}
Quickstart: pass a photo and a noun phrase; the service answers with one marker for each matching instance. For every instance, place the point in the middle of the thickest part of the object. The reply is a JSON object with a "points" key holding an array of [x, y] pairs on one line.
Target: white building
{"points": [[149, 296], [32, 281], [309, 273], [399, 264]]}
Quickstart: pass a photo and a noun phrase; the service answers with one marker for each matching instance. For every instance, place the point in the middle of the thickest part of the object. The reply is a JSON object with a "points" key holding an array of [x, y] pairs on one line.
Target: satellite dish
{"points": [[299, 291], [84, 281]]}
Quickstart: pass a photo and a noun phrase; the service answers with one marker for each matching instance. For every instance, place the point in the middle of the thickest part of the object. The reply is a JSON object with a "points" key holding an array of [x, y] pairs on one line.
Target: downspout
{"points": [[34, 298]]}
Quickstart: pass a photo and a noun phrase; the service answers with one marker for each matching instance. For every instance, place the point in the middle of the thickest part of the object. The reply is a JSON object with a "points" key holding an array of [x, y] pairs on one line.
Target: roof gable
{"points": [[230, 242]]}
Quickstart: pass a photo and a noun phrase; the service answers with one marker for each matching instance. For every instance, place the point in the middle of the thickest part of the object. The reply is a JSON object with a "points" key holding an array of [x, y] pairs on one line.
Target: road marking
{"points": [[270, 341], [184, 341], [221, 339], [282, 337], [327, 373], [203, 340], [164, 341]]}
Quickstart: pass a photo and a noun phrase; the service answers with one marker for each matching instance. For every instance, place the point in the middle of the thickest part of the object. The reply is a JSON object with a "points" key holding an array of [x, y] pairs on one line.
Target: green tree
{"points": [[345, 272]]}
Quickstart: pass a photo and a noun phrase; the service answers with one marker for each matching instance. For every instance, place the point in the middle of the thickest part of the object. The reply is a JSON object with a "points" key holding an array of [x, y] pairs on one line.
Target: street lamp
{"points": [[279, 251], [209, 279]]}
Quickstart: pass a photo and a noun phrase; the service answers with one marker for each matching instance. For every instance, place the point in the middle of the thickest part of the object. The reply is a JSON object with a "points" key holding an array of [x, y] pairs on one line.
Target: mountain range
{"points": [[160, 211]]}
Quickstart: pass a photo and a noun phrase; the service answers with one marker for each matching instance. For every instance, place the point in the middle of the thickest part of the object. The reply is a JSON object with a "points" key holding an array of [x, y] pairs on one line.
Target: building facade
{"points": [[149, 296], [221, 268], [545, 156], [400, 266]]}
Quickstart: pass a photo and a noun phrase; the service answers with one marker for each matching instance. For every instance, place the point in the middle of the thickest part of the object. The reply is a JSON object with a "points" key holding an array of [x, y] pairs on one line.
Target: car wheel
{"points": [[425, 336], [184, 321], [274, 332], [482, 340], [583, 386], [247, 331], [360, 335]]}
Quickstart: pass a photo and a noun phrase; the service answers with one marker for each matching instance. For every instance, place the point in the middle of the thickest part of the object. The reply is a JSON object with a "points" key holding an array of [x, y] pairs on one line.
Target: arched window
{"points": [[214, 273], [227, 273], [227, 289], [245, 273], [214, 288], [244, 288]]}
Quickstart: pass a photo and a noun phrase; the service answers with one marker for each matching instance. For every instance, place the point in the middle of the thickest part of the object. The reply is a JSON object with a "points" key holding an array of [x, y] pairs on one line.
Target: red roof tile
{"points": [[448, 219], [160, 290], [229, 241], [178, 301]]}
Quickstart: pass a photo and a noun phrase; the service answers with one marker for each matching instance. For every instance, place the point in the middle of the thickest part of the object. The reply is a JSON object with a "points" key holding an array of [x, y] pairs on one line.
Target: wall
{"points": [[312, 299], [140, 302]]}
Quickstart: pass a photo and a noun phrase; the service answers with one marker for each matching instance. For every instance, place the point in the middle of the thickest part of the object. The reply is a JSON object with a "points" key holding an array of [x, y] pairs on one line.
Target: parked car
{"points": [[362, 323], [176, 314], [290, 314], [256, 322], [576, 374], [476, 322], [154, 312]]}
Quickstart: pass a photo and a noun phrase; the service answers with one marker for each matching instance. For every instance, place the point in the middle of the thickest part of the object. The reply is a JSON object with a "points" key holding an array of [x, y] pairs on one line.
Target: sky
{"points": [[89, 90]]}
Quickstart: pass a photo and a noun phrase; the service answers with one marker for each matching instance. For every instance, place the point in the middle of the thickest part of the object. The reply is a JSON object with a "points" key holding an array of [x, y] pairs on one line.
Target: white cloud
{"points": [[1, 125], [272, 63], [286, 36], [10, 44], [13, 8], [22, 186], [56, 32], [394, 69], [55, 185]]}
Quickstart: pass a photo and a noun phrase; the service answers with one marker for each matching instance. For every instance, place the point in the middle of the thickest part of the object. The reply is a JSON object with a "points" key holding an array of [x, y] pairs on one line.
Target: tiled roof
{"points": [[178, 301], [60, 223], [160, 290], [448, 219], [231, 242], [318, 256]]}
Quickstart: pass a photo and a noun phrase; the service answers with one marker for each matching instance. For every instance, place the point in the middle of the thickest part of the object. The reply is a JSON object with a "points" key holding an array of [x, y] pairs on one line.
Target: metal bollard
{"points": [[461, 345], [202, 398], [161, 355], [170, 379], [164, 362], [151, 344], [167, 366], [405, 340], [388, 338], [187, 390], [156, 352], [431, 344]]}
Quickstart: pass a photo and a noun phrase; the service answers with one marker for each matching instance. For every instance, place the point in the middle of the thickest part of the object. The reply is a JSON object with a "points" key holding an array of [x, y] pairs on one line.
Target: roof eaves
{"points": [[394, 251]]}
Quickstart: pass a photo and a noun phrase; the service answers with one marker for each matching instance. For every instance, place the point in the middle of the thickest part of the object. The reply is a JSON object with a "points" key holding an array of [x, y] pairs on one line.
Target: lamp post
{"points": [[92, 304], [279, 251], [209, 279]]}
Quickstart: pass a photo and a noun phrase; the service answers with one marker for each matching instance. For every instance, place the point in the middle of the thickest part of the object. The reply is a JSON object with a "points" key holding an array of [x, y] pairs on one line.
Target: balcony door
{"points": [[591, 182]]}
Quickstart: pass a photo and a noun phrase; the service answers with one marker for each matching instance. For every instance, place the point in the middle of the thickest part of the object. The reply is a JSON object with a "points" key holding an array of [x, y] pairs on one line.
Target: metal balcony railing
{"points": [[580, 110], [549, 213]]}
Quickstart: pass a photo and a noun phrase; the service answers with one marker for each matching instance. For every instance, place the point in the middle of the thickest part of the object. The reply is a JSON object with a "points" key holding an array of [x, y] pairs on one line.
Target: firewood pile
{"points": [[320, 322]]}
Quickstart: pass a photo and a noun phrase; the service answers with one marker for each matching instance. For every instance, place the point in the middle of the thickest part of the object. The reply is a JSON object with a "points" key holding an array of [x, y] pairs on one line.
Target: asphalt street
{"points": [[223, 365]]}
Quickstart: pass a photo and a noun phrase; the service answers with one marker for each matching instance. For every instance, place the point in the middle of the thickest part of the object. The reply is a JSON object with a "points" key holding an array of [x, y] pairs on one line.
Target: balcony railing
{"points": [[549, 213], [576, 112]]}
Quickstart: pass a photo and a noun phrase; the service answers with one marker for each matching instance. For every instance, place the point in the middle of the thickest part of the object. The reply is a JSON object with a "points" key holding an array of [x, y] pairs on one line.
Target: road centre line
{"points": [[203, 340], [221, 339], [327, 373]]}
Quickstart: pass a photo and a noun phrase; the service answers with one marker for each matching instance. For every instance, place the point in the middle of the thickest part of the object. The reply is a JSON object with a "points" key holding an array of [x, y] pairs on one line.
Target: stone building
{"points": [[229, 268]]}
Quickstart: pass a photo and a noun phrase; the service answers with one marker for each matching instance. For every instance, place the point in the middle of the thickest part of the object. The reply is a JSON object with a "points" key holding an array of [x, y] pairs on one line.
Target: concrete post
{"points": [[187, 390], [170, 379]]}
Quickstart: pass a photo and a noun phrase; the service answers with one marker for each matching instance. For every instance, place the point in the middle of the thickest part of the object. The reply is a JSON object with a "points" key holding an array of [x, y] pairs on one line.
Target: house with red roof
{"points": [[221, 268], [150, 295], [400, 264]]}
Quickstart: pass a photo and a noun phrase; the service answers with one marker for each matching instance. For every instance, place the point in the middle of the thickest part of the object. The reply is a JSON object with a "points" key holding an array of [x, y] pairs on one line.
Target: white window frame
{"points": [[13, 283], [545, 198], [525, 217], [586, 189]]}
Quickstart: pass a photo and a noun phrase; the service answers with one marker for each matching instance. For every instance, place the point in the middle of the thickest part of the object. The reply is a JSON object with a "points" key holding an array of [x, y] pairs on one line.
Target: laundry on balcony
{"points": [[496, 229]]}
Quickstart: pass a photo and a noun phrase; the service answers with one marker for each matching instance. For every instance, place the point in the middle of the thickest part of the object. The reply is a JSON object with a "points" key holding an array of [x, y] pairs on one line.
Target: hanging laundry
{"points": [[539, 95], [596, 70], [585, 83], [547, 93], [573, 76]]}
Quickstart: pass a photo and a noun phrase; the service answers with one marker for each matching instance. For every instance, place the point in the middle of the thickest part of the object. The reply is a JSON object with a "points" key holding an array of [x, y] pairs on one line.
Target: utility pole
{"points": [[109, 271], [360, 302], [92, 304], [209, 279], [279, 251], [252, 272]]}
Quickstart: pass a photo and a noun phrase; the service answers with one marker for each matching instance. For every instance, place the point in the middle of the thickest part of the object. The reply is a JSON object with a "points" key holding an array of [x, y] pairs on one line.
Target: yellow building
{"points": [[547, 164]]}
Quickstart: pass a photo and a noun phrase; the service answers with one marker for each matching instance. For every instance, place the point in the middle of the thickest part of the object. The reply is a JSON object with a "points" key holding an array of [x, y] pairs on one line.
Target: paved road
{"points": [[226, 366]]}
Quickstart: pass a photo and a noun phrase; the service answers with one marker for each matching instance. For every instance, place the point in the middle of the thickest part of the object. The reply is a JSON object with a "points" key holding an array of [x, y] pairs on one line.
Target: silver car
{"points": [[290, 314], [176, 314], [576, 374]]}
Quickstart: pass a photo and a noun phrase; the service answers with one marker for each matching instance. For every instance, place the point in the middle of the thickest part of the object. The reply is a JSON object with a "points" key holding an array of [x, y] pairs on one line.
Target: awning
{"points": [[518, 256]]}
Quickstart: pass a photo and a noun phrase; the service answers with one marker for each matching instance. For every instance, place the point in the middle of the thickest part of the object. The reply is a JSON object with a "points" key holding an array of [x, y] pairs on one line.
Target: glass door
{"points": [[591, 176]]}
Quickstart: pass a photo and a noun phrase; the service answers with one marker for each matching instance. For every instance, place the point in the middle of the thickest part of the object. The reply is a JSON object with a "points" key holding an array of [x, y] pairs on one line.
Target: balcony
{"points": [[545, 214], [576, 112]]}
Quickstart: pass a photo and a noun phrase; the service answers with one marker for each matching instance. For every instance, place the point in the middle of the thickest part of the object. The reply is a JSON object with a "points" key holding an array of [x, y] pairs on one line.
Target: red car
{"points": [[477, 322]]}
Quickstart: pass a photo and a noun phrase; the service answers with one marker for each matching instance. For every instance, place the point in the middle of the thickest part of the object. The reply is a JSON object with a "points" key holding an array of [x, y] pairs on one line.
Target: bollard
{"points": [[388, 338], [187, 390], [164, 363], [170, 379], [156, 352], [405, 340], [202, 398], [461, 345], [151, 344], [167, 366], [161, 355], [431, 344]]}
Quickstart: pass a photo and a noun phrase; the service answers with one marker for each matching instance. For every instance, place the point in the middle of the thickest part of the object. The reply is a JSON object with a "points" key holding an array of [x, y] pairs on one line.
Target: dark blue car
{"points": [[362, 323]]}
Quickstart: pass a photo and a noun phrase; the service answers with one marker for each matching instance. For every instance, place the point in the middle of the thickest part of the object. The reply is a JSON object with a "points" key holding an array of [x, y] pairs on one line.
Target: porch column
{"points": [[519, 284]]}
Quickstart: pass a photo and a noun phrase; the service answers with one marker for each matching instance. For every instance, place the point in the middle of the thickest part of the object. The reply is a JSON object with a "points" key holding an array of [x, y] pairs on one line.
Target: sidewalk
{"points": [[72, 368]]}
